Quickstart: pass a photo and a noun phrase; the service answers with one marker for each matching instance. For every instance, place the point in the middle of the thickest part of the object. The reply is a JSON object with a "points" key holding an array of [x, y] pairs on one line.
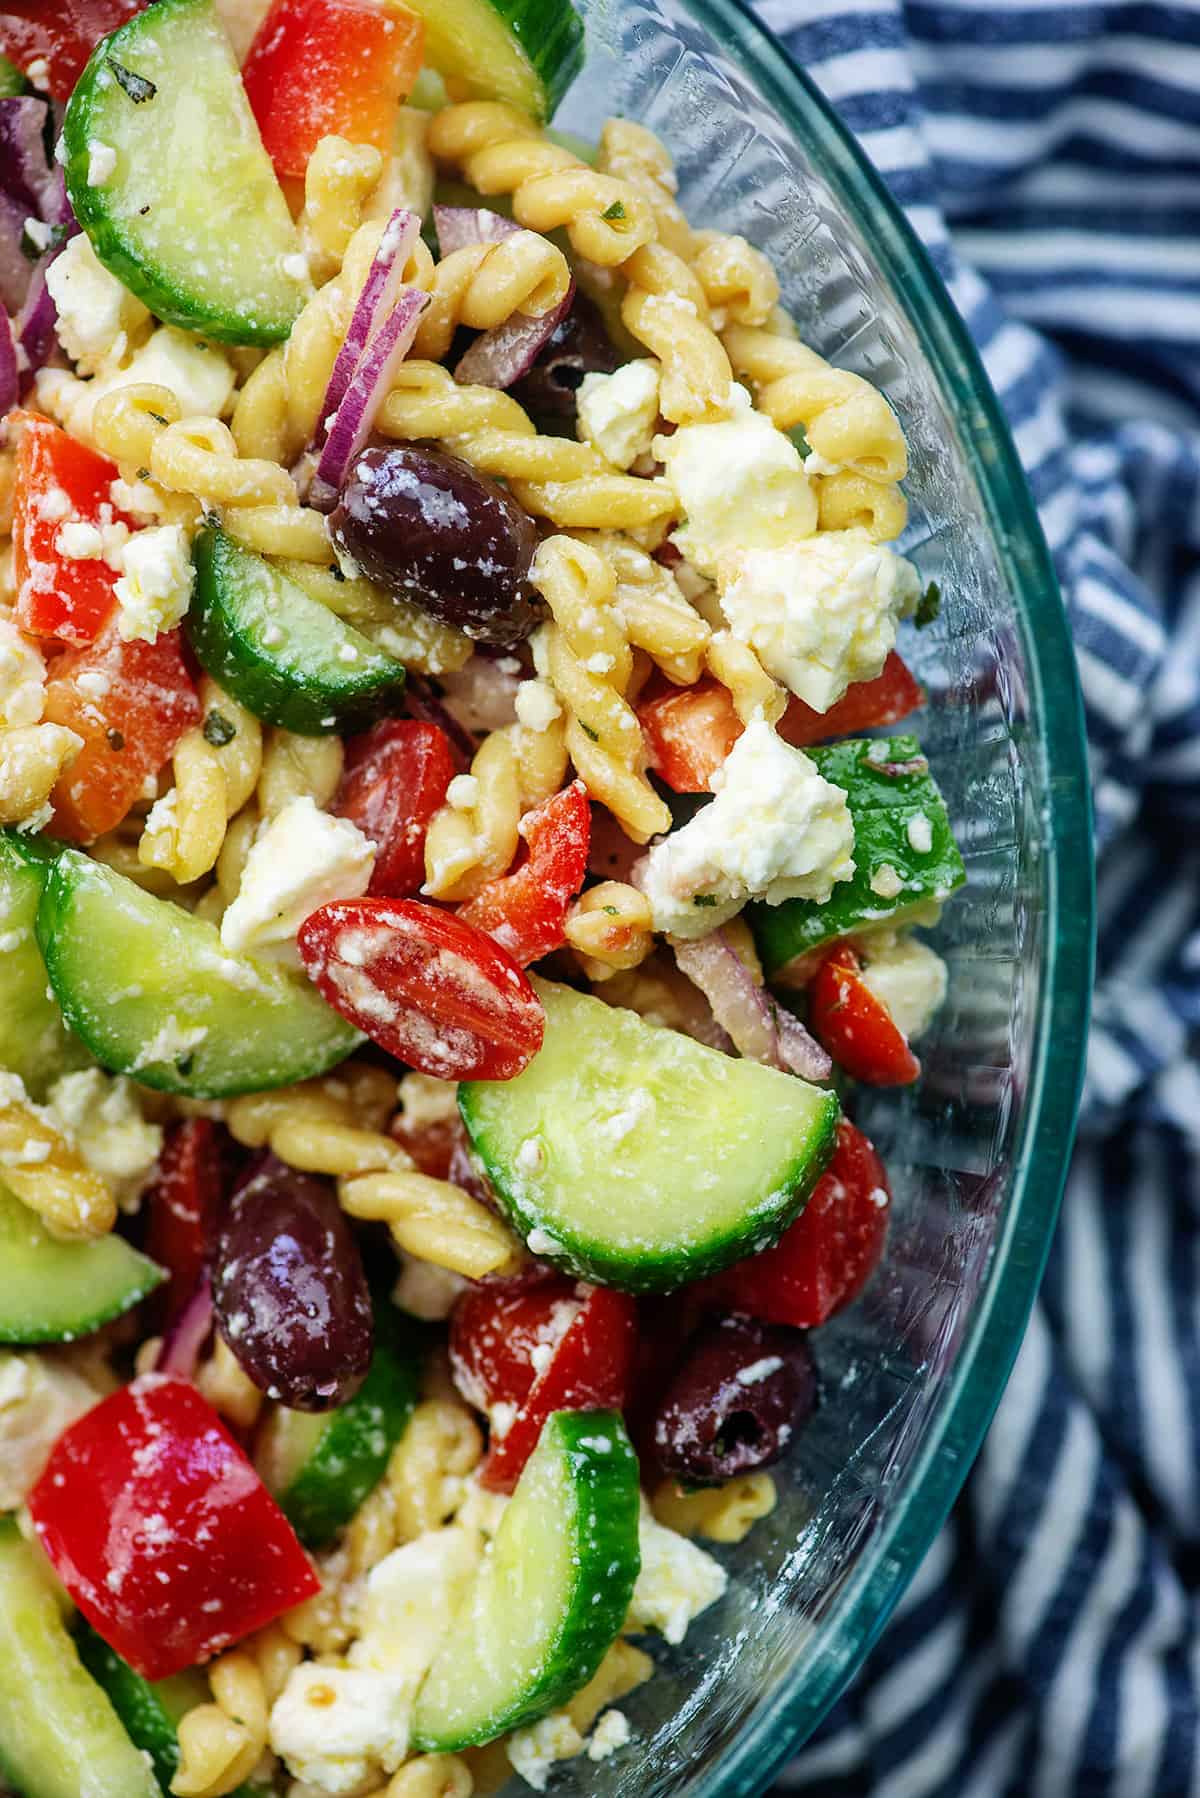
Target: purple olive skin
{"points": [[432, 531], [577, 347], [738, 1397], [289, 1290]]}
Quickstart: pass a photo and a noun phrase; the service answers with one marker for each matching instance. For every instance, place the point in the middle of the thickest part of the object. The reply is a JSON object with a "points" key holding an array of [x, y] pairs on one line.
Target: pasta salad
{"points": [[452, 883]]}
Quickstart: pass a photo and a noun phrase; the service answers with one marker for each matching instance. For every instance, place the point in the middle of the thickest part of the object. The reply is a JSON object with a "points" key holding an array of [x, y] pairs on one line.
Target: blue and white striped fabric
{"points": [[1048, 153]]}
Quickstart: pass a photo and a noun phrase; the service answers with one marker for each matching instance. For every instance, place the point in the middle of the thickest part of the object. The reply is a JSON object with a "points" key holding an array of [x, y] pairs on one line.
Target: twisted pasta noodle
{"points": [[200, 456], [514, 769], [610, 929], [215, 774], [427, 1472], [846, 420], [737, 279], [721, 1513], [221, 1743], [313, 1128], [297, 532], [737, 667], [128, 422], [484, 284], [666, 309], [847, 499], [32, 757], [430, 1776], [655, 614], [414, 637], [42, 1169], [337, 180], [501, 151], [589, 664], [634, 155], [567, 482], [322, 1623], [228, 1388], [8, 471], [119, 852], [294, 767]]}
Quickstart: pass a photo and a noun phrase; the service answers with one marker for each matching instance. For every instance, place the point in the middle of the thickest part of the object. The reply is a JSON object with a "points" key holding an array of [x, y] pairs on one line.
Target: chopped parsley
{"points": [[218, 730], [705, 899], [615, 211], [593, 734], [928, 606], [134, 85]]}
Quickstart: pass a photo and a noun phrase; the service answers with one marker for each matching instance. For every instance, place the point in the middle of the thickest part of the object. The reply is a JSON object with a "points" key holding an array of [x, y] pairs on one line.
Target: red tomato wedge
{"points": [[856, 1026], [590, 1369], [395, 779], [891, 696], [58, 483], [131, 703], [60, 33], [826, 1257], [161, 1530], [689, 732], [526, 912], [503, 1334], [425, 986], [182, 1203], [330, 66]]}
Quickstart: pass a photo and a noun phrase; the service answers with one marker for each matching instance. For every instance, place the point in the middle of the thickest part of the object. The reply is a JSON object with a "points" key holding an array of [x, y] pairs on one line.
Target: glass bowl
{"points": [[978, 1150]]}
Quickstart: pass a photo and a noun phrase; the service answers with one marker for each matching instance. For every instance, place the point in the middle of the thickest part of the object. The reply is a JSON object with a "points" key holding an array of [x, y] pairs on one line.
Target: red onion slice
{"points": [[24, 171], [458, 227], [363, 397], [381, 289], [15, 266], [502, 355], [760, 1029], [186, 1337], [10, 384]]}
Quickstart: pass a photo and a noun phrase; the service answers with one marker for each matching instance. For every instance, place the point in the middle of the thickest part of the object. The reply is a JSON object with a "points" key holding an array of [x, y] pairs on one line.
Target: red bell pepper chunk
{"points": [[60, 33], [590, 1369], [526, 912], [395, 779], [60, 482], [131, 703], [182, 1203], [891, 696], [825, 1258], [499, 1332], [689, 732], [161, 1530], [431, 990], [322, 66], [855, 1025]]}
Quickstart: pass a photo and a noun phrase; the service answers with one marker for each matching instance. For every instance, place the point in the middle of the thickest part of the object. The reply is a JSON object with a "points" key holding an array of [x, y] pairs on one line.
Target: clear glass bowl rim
{"points": [[783, 1720]]}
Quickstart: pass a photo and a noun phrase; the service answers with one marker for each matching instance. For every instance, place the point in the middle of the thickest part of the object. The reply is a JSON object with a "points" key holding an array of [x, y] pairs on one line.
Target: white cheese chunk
{"points": [[337, 1727], [776, 830], [102, 162], [821, 612], [199, 375], [301, 859], [741, 484], [908, 976], [154, 590], [96, 313], [425, 1290], [617, 413], [677, 1580], [533, 1751], [410, 1601], [612, 1732], [22, 679], [536, 705], [39, 1398], [103, 1119]]}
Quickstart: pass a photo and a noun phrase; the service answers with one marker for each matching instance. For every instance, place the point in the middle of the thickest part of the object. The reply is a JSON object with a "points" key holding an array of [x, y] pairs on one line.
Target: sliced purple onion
{"points": [[15, 266], [421, 702], [10, 381], [185, 1338], [362, 399], [761, 1030], [502, 355], [459, 227], [381, 289], [24, 171]]}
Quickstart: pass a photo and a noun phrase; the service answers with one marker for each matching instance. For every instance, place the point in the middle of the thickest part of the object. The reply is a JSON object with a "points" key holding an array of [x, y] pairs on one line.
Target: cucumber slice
{"points": [[149, 1711], [526, 52], [192, 218], [59, 1735], [56, 1291], [287, 657], [34, 1041], [552, 1592], [897, 878], [321, 1466], [12, 82], [154, 993], [639, 1158]]}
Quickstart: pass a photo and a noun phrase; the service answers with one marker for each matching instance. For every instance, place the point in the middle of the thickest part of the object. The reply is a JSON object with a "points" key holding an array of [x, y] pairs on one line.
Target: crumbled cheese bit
{"points": [[103, 1119], [463, 793], [155, 589], [171, 1044], [38, 72], [919, 832], [78, 541], [40, 1397], [677, 1580], [531, 1156], [758, 1371], [533, 1751], [617, 413], [22, 679], [295, 266], [612, 1732], [102, 162], [537, 705], [907, 976], [885, 882], [427, 1100], [96, 314], [337, 1727], [302, 859]]}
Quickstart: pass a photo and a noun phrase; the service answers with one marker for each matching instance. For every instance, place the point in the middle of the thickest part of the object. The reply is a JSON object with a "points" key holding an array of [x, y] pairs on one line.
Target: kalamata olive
{"points": [[289, 1290], [425, 525], [736, 1399], [578, 346]]}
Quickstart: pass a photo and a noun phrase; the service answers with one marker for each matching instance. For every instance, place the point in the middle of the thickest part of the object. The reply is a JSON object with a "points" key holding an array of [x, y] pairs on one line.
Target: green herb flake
{"points": [[218, 730], [928, 606], [135, 86], [705, 899], [611, 910], [615, 211], [593, 734]]}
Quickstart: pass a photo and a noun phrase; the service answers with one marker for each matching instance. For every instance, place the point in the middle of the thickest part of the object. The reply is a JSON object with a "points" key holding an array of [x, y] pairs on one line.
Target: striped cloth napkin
{"points": [[1048, 154]]}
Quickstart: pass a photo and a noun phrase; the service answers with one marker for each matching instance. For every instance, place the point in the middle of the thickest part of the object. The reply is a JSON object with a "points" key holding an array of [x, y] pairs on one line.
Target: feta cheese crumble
{"points": [[103, 1119], [410, 1601], [677, 1580], [22, 679], [776, 830], [102, 162], [155, 588], [40, 1397], [741, 483], [820, 613], [536, 705], [617, 413], [337, 1726], [533, 1751], [908, 976], [96, 314], [301, 859], [612, 1732]]}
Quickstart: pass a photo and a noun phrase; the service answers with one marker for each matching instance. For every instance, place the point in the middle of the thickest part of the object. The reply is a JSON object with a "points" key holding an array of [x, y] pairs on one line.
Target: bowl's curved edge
{"points": [[1056, 1075]]}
